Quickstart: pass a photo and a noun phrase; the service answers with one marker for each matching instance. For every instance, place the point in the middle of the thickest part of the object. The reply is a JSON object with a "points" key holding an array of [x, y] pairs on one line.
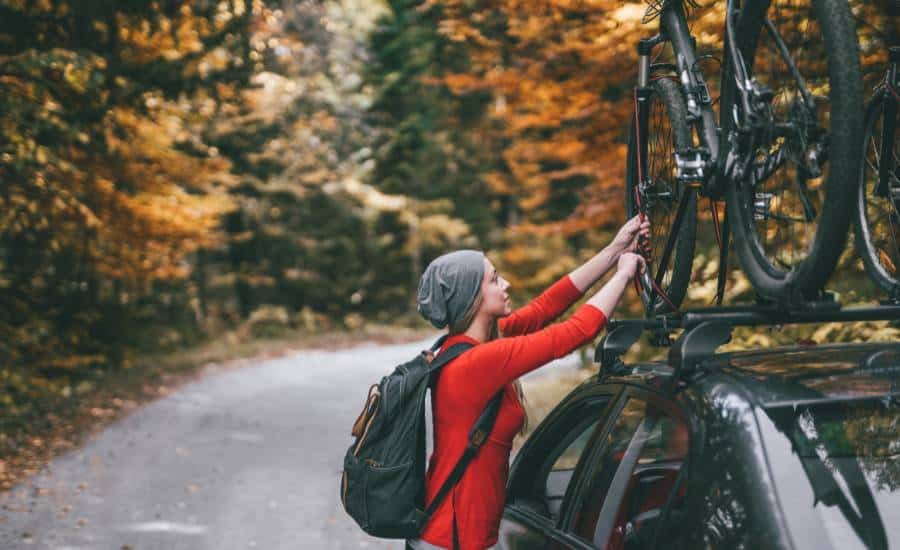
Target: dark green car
{"points": [[782, 448]]}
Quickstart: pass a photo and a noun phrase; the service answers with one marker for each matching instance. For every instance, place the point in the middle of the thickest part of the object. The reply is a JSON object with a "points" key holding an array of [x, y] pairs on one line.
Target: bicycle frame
{"points": [[700, 115], [721, 158], [722, 165]]}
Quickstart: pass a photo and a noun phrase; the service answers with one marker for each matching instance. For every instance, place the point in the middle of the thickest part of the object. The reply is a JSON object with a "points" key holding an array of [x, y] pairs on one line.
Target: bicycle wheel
{"points": [[793, 197], [876, 217], [667, 131]]}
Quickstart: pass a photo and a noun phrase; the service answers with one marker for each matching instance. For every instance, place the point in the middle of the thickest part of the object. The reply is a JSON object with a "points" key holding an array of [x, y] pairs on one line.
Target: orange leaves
{"points": [[460, 32], [499, 183], [464, 83], [527, 28], [567, 150], [147, 205], [561, 70], [168, 40]]}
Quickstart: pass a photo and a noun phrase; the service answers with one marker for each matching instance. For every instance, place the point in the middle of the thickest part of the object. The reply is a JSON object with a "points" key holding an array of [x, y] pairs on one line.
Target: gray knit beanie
{"points": [[449, 286]]}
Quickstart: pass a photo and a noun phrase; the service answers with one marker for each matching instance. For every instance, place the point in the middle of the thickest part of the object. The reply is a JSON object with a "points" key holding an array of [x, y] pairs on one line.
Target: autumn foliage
{"points": [[170, 170]]}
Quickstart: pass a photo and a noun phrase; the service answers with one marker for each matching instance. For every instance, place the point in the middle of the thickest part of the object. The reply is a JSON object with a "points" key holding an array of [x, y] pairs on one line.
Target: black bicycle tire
{"points": [[863, 244], [845, 97], [683, 255]]}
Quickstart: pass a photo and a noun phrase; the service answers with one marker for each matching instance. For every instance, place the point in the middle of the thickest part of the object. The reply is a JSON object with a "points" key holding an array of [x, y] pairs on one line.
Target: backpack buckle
{"points": [[477, 438]]}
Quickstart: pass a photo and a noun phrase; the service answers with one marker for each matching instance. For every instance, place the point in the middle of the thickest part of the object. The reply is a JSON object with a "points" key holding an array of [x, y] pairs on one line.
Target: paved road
{"points": [[240, 459]]}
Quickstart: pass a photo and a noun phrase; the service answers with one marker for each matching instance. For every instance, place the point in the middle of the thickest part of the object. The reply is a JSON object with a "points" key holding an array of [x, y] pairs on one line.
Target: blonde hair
{"points": [[463, 325]]}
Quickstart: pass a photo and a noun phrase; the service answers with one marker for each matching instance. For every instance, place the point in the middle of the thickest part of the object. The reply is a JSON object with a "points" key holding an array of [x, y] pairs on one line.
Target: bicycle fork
{"points": [[642, 94], [641, 112]]}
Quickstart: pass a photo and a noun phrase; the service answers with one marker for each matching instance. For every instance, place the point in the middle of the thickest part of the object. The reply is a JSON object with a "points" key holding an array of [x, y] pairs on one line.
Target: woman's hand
{"points": [[627, 240], [630, 264], [628, 236]]}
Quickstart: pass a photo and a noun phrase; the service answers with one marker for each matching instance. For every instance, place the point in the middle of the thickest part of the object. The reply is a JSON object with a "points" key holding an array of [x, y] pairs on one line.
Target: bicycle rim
{"points": [[877, 215]]}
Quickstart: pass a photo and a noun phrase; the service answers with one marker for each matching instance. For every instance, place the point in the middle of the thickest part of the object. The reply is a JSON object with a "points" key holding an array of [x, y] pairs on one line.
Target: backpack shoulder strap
{"points": [[447, 355], [477, 436]]}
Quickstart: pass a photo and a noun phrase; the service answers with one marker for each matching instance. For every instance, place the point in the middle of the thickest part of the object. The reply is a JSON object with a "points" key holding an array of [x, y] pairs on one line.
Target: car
{"points": [[792, 447]]}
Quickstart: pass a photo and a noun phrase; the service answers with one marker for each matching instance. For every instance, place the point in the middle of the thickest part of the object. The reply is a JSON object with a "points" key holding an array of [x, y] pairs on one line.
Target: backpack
{"points": [[383, 481]]}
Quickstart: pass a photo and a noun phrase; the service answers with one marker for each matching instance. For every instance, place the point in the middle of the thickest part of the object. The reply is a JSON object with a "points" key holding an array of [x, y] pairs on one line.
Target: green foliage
{"points": [[431, 145]]}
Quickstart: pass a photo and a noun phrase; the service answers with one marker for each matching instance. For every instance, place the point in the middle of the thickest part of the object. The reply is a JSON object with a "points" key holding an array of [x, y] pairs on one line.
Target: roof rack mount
{"points": [[708, 328]]}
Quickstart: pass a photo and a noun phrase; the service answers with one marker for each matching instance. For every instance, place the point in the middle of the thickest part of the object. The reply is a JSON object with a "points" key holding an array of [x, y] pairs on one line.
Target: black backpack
{"points": [[383, 482]]}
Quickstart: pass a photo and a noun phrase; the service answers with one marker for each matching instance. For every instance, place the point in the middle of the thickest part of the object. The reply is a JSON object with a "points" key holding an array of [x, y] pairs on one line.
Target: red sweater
{"points": [[463, 390]]}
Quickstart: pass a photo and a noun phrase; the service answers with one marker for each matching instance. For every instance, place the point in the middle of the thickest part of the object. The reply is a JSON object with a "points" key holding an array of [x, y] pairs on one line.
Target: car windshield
{"points": [[836, 468]]}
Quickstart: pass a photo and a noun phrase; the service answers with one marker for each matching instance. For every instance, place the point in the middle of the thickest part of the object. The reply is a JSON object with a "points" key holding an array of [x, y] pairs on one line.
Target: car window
{"points": [[836, 467], [727, 502], [634, 477], [548, 466], [569, 457], [560, 475]]}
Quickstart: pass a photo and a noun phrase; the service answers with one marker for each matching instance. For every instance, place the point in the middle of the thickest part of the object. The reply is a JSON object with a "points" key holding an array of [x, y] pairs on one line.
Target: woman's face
{"points": [[495, 300]]}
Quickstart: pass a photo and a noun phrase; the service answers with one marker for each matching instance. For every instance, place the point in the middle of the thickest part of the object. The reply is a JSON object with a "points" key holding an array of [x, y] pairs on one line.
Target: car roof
{"points": [[791, 375], [830, 372]]}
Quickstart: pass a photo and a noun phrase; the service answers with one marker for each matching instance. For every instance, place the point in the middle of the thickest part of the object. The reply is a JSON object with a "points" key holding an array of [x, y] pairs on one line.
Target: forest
{"points": [[172, 170]]}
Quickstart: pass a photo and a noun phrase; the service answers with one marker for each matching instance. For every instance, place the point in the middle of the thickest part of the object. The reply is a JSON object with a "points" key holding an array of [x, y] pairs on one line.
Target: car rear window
{"points": [[836, 467]]}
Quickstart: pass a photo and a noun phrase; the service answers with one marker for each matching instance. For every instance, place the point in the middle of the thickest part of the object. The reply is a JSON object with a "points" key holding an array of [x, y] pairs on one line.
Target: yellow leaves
{"points": [[73, 362], [561, 72], [146, 210], [459, 31], [529, 28], [886, 261], [145, 43], [868, 331], [442, 232], [499, 183], [628, 13], [462, 83], [40, 154], [325, 121], [532, 260], [566, 151]]}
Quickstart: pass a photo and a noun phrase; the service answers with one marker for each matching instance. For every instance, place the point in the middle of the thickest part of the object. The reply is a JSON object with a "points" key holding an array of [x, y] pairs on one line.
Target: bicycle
{"points": [[783, 151], [876, 217]]}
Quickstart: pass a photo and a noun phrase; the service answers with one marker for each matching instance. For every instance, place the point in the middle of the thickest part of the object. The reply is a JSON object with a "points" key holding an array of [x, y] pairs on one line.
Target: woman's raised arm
{"points": [[594, 269], [566, 291], [499, 362], [539, 312]]}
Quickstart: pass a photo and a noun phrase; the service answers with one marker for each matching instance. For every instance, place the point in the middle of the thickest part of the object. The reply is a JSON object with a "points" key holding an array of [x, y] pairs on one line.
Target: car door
{"points": [[542, 474], [631, 477]]}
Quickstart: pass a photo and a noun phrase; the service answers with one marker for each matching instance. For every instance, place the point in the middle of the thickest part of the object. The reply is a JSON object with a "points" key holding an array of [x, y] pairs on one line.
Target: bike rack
{"points": [[705, 329]]}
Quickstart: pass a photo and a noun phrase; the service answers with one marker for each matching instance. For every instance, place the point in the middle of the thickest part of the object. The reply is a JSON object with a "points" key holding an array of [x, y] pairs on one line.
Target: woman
{"points": [[462, 291]]}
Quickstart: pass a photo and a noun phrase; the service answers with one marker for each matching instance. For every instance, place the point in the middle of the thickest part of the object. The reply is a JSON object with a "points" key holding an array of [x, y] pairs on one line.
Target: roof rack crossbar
{"points": [[705, 329], [815, 312]]}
